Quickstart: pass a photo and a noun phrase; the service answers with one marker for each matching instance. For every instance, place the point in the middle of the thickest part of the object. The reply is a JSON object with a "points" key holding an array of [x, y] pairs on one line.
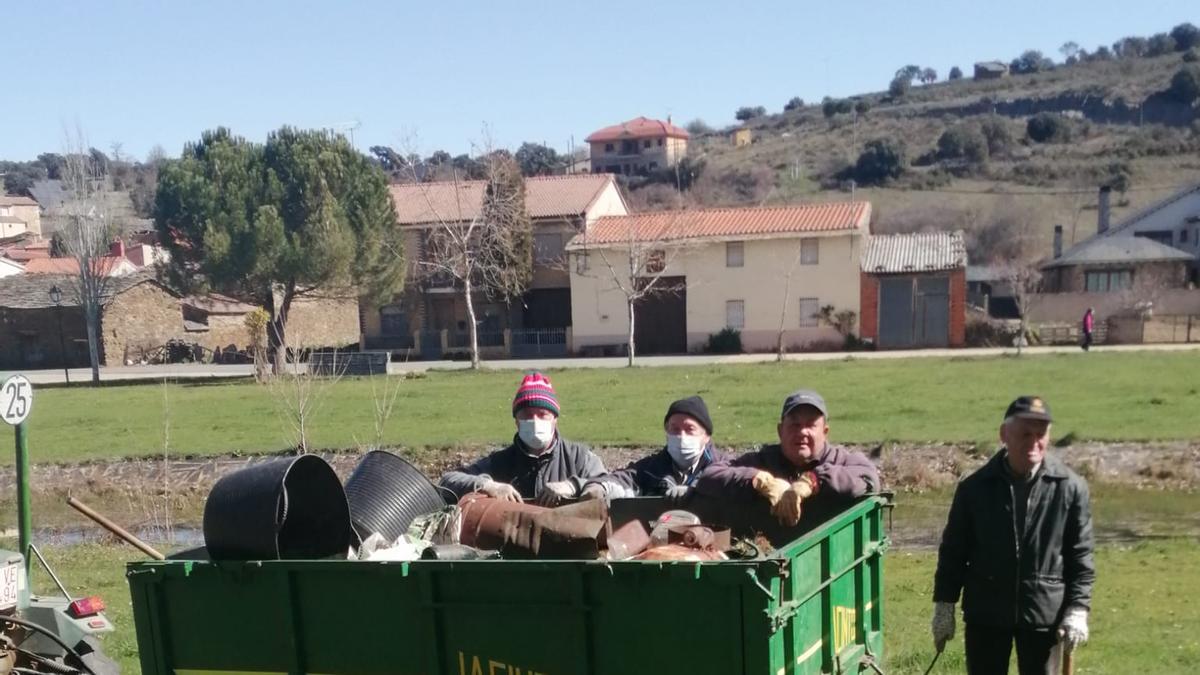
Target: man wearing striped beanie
{"points": [[540, 464]]}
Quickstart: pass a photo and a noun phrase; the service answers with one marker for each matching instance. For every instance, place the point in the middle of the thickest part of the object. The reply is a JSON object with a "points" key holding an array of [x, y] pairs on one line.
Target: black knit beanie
{"points": [[692, 406]]}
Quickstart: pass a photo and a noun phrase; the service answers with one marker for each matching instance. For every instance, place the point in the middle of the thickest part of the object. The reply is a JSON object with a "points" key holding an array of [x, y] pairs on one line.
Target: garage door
{"points": [[914, 312]]}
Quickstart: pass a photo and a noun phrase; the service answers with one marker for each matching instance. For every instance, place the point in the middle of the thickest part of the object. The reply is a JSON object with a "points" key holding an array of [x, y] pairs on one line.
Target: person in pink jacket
{"points": [[1089, 322]]}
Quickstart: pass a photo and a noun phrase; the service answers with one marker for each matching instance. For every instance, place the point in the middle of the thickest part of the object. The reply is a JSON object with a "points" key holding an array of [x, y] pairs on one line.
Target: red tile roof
{"points": [[642, 127], [112, 266], [725, 223], [545, 197]]}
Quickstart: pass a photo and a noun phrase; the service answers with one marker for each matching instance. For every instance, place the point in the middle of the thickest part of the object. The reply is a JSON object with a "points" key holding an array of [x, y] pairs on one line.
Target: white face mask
{"points": [[536, 433], [684, 450]]}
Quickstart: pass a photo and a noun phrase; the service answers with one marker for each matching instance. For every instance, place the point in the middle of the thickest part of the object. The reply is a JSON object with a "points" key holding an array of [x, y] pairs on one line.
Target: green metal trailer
{"points": [[812, 606]]}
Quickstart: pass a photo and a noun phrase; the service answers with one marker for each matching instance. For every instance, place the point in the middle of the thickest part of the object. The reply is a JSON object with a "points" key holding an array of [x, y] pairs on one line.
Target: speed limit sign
{"points": [[16, 399]]}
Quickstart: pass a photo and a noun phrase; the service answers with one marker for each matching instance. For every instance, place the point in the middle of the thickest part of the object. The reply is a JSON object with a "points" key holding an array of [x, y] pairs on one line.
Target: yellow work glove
{"points": [[787, 510], [770, 487]]}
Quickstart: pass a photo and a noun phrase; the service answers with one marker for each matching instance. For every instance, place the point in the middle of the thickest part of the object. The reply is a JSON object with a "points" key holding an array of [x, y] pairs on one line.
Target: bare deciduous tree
{"points": [[480, 244], [637, 264], [300, 389], [1019, 259], [86, 232]]}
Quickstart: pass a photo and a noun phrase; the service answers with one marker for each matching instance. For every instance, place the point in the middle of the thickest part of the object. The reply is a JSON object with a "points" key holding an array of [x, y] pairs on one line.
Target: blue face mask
{"points": [[684, 450]]}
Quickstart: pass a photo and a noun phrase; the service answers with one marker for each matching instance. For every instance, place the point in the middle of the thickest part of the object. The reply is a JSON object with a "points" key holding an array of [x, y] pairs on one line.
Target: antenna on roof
{"points": [[346, 128]]}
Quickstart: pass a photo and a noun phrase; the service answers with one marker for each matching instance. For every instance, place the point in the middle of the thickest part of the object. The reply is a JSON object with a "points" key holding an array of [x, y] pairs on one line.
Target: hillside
{"points": [[797, 155]]}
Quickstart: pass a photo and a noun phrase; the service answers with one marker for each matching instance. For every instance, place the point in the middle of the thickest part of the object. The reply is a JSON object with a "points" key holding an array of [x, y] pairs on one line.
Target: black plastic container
{"points": [[386, 493], [291, 509]]}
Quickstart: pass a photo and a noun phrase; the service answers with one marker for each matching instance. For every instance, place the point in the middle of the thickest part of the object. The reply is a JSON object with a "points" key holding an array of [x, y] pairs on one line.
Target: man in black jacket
{"points": [[1018, 545], [672, 471]]}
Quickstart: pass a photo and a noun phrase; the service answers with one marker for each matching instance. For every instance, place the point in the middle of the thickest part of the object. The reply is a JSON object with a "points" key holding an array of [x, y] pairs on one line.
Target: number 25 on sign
{"points": [[16, 398]]}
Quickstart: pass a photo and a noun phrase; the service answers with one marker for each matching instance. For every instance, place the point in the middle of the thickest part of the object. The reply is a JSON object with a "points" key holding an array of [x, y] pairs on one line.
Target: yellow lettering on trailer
{"points": [[845, 629], [494, 667]]}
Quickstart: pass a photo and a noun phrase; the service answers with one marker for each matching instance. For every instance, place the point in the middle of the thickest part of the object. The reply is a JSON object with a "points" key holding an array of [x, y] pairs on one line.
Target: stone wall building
{"points": [[139, 314]]}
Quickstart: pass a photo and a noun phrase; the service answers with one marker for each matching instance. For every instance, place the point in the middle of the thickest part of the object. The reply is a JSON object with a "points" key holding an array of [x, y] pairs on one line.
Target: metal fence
{"points": [[539, 342]]}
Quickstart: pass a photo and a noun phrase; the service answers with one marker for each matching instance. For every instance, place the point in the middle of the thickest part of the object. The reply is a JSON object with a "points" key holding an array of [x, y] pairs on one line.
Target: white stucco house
{"points": [[741, 268]]}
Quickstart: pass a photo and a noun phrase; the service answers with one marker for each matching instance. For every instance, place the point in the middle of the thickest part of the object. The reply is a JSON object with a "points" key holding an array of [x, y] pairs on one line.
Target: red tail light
{"points": [[85, 607]]}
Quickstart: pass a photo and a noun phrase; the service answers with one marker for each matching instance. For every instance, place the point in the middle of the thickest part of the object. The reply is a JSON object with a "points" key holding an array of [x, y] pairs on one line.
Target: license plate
{"points": [[10, 584]]}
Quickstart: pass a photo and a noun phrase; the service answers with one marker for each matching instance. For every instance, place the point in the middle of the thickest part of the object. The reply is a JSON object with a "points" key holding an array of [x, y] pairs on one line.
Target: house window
{"points": [[608, 147], [810, 251], [735, 314], [1108, 281], [653, 166], [393, 321], [547, 247], [660, 142], [656, 262], [646, 144], [809, 307], [735, 252], [1183, 236]]}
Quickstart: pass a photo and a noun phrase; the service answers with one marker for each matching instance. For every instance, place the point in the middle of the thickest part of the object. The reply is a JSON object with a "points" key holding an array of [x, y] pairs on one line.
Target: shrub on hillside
{"points": [[698, 127], [746, 113], [880, 161], [1030, 61], [1186, 36], [899, 87], [1048, 128], [998, 133], [965, 142], [1185, 84], [956, 73], [795, 103], [1191, 56], [1160, 44], [862, 106], [725, 341]]}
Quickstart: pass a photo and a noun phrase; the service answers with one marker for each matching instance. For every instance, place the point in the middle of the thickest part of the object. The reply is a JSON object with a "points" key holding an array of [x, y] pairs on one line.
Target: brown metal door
{"points": [[660, 317]]}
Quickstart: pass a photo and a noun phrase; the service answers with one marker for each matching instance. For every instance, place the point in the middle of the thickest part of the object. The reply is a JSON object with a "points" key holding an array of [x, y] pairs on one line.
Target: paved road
{"points": [[203, 371]]}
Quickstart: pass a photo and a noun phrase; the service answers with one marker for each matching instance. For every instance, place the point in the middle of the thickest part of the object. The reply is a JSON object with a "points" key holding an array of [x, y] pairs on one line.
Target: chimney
{"points": [[117, 249], [1104, 214], [1058, 231]]}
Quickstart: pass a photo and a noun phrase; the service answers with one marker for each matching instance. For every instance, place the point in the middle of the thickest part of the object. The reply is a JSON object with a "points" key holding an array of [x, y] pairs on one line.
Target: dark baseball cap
{"points": [[803, 397], [1029, 408]]}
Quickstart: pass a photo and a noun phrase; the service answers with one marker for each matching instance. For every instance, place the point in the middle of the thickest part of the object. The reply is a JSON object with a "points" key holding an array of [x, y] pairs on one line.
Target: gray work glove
{"points": [[556, 493], [498, 490], [1074, 629], [676, 493], [943, 624]]}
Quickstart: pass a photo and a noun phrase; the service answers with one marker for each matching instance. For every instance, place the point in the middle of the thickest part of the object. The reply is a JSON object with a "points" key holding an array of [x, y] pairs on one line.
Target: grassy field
{"points": [[1126, 396], [1144, 619]]}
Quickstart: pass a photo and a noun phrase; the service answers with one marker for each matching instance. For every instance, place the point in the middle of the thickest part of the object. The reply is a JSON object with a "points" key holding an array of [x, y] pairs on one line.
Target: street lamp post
{"points": [[56, 298]]}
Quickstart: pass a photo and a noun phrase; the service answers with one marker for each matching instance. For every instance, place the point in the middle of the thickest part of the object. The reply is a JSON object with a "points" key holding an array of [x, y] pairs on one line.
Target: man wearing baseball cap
{"points": [[1018, 546], [803, 468], [540, 464], [672, 471]]}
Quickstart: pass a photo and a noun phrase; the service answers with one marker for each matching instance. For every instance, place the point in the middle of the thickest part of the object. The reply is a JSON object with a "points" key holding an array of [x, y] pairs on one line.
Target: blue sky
{"points": [[432, 74]]}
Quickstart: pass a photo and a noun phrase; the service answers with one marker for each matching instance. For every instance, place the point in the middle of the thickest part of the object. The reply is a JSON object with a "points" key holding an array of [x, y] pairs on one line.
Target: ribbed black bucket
{"points": [[291, 509], [386, 493]]}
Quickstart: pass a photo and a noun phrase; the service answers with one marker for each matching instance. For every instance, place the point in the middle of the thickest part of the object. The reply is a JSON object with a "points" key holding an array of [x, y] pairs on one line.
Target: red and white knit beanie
{"points": [[535, 392]]}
